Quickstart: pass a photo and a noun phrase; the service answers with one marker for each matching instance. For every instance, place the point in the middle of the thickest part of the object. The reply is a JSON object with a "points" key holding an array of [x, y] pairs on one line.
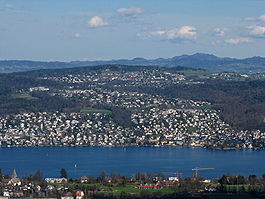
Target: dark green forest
{"points": [[241, 103]]}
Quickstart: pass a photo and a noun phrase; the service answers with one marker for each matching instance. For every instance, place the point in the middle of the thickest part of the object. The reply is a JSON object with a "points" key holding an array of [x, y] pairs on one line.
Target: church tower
{"points": [[14, 175]]}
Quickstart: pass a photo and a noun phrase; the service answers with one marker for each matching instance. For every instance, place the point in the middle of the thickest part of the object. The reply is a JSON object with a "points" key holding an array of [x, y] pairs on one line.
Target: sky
{"points": [[67, 30]]}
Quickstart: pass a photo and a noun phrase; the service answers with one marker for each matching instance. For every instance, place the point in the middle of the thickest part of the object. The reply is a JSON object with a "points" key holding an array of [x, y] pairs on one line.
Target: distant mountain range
{"points": [[197, 61]]}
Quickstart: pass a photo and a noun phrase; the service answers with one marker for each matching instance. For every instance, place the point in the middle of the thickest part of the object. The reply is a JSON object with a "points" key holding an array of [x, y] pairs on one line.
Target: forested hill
{"points": [[133, 105], [239, 97], [203, 61]]}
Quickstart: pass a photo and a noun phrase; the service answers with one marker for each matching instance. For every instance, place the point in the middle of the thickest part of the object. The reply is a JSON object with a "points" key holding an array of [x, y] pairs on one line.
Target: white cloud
{"points": [[249, 19], [96, 21], [257, 31], [185, 32], [220, 31], [260, 18], [9, 6], [236, 41], [77, 35], [132, 11], [159, 32]]}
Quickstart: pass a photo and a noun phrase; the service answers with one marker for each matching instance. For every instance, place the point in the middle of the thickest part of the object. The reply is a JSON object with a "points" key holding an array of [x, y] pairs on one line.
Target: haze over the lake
{"points": [[91, 30]]}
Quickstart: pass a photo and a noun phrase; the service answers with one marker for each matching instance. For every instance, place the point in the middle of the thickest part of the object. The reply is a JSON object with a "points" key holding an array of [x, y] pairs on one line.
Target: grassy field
{"points": [[24, 96], [228, 196], [192, 129], [199, 73], [206, 107], [94, 110], [133, 189], [117, 189], [238, 188]]}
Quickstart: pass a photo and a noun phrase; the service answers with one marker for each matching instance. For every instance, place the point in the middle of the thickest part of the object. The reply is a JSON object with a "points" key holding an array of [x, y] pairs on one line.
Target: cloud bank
{"points": [[132, 11], [257, 31], [236, 41], [96, 21], [220, 31], [260, 18], [184, 32]]}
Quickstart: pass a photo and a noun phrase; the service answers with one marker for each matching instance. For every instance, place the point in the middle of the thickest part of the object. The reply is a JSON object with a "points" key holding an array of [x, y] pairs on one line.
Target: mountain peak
{"points": [[204, 56], [197, 56], [138, 59]]}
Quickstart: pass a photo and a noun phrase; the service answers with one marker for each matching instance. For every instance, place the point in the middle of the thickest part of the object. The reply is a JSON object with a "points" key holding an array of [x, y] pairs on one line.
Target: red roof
{"points": [[149, 187]]}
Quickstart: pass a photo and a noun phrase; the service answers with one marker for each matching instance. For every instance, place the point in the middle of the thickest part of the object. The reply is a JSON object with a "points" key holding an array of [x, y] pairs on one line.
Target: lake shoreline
{"points": [[132, 145]]}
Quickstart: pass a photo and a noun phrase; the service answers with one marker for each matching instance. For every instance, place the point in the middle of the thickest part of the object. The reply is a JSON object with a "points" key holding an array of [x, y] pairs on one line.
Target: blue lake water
{"points": [[80, 161]]}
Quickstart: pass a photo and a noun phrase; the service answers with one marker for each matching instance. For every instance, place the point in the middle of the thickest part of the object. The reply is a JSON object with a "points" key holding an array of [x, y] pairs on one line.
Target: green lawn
{"points": [[228, 196], [238, 188], [134, 190], [189, 73], [129, 188], [206, 107], [94, 110], [192, 129], [23, 96]]}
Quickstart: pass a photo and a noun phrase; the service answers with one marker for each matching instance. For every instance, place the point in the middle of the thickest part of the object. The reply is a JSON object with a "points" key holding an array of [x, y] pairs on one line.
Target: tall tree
{"points": [[1, 175], [103, 176], [63, 173], [252, 179], [37, 176]]}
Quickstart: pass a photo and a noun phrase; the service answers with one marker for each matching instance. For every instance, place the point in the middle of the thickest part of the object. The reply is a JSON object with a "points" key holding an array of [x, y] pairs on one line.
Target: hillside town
{"points": [[195, 128], [115, 112], [154, 122]]}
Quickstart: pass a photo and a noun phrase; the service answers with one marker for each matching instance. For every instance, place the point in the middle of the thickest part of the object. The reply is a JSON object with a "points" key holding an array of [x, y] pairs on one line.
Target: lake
{"points": [[80, 161]]}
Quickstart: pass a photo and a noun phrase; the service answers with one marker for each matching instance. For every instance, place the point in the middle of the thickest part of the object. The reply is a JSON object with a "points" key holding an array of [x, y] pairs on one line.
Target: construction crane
{"points": [[199, 169], [178, 174]]}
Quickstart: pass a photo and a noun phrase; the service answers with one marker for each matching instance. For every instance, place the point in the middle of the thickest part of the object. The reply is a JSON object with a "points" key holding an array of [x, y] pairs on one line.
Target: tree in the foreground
{"points": [[63, 173], [37, 176], [1, 175], [103, 176]]}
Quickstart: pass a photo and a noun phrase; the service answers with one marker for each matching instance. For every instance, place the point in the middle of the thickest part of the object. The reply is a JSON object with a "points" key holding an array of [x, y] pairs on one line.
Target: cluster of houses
{"points": [[15, 187], [60, 129], [195, 128], [155, 120], [156, 126], [84, 187], [144, 77]]}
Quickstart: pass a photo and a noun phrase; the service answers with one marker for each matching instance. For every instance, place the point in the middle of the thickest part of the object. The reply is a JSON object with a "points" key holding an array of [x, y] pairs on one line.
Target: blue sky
{"points": [[67, 30]]}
